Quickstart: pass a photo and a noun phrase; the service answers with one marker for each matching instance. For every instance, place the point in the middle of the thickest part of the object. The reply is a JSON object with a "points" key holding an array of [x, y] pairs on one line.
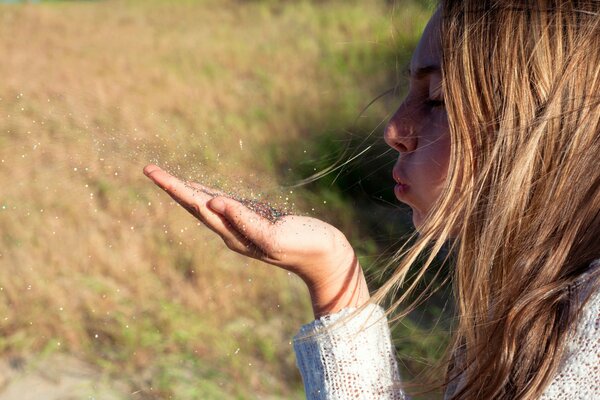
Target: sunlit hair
{"points": [[521, 208]]}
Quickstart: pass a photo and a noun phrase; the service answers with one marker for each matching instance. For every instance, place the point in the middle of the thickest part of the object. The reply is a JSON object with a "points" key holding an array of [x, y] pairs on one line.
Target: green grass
{"points": [[95, 258]]}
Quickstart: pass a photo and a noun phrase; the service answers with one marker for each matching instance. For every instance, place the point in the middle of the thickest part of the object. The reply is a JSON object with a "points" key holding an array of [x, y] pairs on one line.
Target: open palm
{"points": [[314, 250]]}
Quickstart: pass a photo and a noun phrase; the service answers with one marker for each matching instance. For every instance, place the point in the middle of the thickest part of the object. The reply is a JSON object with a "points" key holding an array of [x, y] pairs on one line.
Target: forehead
{"points": [[429, 49]]}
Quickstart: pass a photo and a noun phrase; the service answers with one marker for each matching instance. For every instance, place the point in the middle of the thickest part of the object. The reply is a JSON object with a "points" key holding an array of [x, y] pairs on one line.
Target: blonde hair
{"points": [[521, 208]]}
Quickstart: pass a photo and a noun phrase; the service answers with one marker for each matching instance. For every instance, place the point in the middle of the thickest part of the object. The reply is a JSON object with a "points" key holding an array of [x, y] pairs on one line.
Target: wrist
{"points": [[347, 290]]}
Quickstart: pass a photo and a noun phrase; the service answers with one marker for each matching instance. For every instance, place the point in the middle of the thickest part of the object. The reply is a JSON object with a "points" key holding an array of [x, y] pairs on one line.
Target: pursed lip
{"points": [[401, 187]]}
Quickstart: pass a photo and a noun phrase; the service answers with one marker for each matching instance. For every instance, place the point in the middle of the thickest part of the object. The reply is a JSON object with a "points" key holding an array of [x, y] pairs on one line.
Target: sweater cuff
{"points": [[353, 359]]}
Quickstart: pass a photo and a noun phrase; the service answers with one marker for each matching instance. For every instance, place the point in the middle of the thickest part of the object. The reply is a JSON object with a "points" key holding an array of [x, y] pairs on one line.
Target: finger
{"points": [[205, 189], [236, 241], [166, 181], [223, 227], [193, 197], [254, 227], [180, 191], [172, 184]]}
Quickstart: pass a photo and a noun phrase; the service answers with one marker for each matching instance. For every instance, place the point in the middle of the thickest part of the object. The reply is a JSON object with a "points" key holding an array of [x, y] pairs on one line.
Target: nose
{"points": [[400, 132]]}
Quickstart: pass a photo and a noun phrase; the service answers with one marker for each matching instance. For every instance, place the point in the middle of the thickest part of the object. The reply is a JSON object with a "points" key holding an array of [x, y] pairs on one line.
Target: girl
{"points": [[498, 140]]}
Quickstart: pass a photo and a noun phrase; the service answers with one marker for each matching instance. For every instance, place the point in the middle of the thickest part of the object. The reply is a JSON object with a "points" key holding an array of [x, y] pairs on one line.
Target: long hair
{"points": [[521, 207], [520, 211]]}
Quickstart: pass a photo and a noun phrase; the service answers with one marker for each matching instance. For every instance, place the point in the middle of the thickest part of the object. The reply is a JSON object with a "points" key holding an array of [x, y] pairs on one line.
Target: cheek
{"points": [[441, 155], [436, 158], [437, 149]]}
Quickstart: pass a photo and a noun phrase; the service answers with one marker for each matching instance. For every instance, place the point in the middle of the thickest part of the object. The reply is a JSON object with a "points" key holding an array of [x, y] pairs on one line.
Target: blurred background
{"points": [[109, 290]]}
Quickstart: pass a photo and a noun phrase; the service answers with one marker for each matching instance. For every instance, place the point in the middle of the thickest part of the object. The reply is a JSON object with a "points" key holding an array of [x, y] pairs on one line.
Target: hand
{"points": [[314, 250]]}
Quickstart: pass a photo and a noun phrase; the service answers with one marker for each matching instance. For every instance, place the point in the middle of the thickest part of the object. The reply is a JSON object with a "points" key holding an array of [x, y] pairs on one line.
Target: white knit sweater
{"points": [[356, 359]]}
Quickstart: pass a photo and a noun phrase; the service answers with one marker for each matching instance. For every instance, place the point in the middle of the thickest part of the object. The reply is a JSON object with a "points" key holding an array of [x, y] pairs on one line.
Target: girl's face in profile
{"points": [[419, 129]]}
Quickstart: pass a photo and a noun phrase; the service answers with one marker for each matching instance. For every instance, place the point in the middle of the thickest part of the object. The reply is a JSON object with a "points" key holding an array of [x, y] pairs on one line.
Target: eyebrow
{"points": [[422, 72]]}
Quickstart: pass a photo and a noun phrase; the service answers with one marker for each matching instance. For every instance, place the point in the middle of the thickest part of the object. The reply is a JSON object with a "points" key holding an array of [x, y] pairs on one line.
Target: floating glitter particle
{"points": [[263, 209]]}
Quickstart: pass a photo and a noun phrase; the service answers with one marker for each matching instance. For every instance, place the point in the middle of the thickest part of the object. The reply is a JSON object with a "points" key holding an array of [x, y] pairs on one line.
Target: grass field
{"points": [[251, 96]]}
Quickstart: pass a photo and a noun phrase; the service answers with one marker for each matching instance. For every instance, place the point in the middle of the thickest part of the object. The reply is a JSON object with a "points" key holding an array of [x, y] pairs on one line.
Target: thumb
{"points": [[217, 204], [244, 220]]}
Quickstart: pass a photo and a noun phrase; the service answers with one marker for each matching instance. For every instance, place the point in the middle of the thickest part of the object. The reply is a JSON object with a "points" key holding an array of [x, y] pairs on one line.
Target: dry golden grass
{"points": [[94, 260]]}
